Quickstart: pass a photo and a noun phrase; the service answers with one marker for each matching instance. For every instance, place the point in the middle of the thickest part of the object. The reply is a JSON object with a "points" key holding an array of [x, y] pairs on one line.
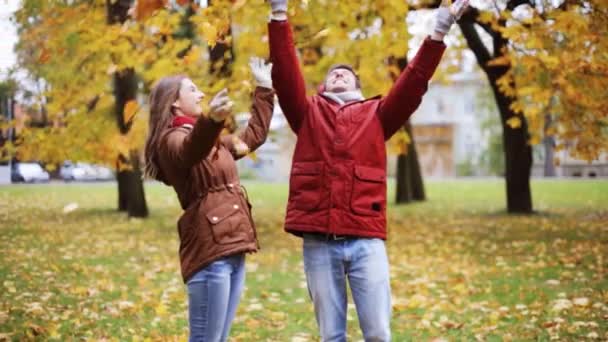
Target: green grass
{"points": [[461, 268]]}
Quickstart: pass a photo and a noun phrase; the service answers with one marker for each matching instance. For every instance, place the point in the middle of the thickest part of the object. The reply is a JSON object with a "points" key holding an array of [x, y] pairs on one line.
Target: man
{"points": [[337, 187]]}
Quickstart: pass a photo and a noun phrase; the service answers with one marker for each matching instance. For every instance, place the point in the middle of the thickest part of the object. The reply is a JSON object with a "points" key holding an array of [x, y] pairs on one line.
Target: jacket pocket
{"points": [[306, 185], [368, 196], [228, 223]]}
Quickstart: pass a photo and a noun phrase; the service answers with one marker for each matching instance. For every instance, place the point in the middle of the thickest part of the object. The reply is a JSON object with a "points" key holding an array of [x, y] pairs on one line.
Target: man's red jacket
{"points": [[338, 174]]}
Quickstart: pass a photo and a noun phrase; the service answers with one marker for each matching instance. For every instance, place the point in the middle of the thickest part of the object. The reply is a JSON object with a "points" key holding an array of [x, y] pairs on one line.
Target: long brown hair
{"points": [[162, 97]]}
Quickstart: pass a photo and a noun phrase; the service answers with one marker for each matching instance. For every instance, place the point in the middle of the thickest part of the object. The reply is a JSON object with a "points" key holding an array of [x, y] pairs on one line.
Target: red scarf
{"points": [[180, 120]]}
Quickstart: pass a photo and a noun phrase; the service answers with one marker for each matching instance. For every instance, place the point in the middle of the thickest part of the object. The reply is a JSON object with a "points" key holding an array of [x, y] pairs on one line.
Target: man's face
{"points": [[340, 80]]}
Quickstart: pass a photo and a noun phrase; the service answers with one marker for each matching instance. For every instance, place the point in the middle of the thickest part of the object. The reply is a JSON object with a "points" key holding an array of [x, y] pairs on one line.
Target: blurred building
{"points": [[272, 161], [446, 126]]}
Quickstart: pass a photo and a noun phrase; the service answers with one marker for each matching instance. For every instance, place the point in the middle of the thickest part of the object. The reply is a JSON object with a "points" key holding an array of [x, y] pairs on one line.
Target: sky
{"points": [[8, 35]]}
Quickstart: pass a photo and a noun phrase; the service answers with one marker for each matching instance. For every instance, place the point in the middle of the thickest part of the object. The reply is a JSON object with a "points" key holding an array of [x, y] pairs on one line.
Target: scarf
{"points": [[345, 96], [181, 120]]}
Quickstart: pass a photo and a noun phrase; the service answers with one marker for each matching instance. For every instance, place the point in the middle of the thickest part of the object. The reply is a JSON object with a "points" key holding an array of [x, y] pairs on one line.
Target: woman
{"points": [[184, 150]]}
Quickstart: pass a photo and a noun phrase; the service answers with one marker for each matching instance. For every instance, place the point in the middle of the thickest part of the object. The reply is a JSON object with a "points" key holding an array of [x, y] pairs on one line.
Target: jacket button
{"points": [[236, 206], [214, 219]]}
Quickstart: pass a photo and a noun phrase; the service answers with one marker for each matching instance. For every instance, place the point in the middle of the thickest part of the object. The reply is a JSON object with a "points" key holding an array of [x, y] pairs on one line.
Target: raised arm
{"points": [[257, 128], [262, 108], [286, 72], [184, 148], [406, 94]]}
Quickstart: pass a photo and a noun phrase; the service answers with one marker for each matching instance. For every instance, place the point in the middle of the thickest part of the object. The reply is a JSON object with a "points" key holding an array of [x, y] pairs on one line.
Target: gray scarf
{"points": [[345, 96]]}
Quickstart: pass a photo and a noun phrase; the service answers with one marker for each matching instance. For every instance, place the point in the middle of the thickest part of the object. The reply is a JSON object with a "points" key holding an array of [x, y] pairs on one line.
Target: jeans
{"points": [[213, 295], [328, 265]]}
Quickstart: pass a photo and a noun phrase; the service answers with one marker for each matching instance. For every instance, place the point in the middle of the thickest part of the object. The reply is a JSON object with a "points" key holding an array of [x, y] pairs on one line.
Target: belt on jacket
{"points": [[329, 236]]}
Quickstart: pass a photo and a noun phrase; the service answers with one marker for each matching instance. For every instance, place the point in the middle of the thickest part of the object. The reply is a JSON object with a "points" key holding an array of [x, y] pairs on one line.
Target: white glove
{"points": [[447, 16], [261, 72], [240, 148], [221, 106], [278, 5]]}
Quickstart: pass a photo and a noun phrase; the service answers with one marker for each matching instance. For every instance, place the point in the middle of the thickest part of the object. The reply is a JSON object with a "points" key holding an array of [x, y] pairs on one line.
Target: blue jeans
{"points": [[328, 265], [213, 295]]}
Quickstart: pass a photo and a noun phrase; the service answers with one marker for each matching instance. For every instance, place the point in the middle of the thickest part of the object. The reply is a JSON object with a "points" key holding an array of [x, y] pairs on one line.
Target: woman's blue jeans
{"points": [[213, 296]]}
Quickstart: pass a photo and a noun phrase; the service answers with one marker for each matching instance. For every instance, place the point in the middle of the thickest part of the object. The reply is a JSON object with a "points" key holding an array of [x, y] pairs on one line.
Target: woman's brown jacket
{"points": [[217, 217]]}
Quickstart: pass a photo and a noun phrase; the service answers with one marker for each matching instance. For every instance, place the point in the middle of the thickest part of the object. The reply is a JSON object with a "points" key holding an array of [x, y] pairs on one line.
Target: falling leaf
{"points": [[131, 108], [70, 207]]}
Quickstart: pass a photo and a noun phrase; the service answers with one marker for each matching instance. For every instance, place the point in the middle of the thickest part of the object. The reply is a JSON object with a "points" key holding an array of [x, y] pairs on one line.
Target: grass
{"points": [[461, 269]]}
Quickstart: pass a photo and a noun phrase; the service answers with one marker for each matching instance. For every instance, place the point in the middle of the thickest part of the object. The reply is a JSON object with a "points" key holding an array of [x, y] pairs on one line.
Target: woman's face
{"points": [[189, 101]]}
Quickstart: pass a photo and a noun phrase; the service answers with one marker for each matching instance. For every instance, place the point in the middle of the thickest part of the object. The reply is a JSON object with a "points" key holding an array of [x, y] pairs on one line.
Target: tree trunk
{"points": [[221, 55], [410, 186], [518, 153], [132, 187], [131, 196], [518, 166]]}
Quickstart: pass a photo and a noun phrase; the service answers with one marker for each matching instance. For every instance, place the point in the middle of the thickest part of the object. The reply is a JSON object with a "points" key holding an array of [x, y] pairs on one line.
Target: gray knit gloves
{"points": [[278, 5], [446, 16]]}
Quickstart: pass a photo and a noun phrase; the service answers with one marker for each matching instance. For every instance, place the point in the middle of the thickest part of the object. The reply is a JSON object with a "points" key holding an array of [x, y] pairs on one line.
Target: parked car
{"points": [[84, 172], [103, 173], [28, 173], [77, 172]]}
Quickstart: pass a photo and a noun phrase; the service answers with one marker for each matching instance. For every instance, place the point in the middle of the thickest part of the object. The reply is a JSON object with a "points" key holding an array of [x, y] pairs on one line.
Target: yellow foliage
{"points": [[514, 122], [399, 142], [557, 68], [560, 72], [502, 60]]}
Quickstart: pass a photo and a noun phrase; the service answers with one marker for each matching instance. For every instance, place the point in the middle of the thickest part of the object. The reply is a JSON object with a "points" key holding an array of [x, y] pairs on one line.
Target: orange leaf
{"points": [[45, 55], [144, 8], [130, 110]]}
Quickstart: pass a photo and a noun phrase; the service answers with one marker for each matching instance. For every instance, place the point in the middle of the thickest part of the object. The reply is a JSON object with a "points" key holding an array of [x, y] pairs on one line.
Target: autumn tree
{"points": [[546, 65], [93, 68]]}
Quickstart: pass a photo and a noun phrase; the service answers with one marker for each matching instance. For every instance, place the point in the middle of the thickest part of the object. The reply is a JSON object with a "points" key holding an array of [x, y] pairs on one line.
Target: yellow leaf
{"points": [[534, 140], [192, 55], [161, 310], [514, 122], [210, 33], [502, 60]]}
